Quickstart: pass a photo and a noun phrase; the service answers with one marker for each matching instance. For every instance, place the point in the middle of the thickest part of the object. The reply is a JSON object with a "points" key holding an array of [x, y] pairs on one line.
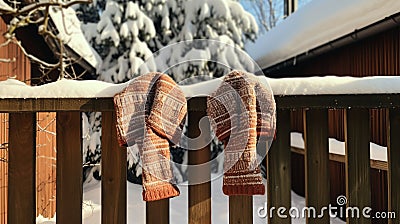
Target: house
{"points": [[341, 38], [21, 68]]}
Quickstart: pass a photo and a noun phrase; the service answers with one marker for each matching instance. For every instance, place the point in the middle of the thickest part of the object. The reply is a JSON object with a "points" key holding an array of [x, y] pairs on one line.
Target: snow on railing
{"points": [[64, 88]]}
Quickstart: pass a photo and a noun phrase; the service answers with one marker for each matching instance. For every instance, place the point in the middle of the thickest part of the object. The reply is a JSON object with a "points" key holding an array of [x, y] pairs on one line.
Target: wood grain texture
{"points": [[240, 209], [358, 185], [199, 153], [279, 170], [113, 170], [316, 160], [394, 163], [283, 102], [69, 167], [56, 104], [157, 212], [22, 161]]}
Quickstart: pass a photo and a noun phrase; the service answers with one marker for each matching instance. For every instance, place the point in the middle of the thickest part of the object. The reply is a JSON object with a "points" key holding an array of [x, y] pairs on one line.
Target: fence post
{"points": [[240, 209], [69, 167], [393, 142], [279, 170], [199, 194], [161, 208], [22, 172], [316, 161], [357, 162], [113, 173]]}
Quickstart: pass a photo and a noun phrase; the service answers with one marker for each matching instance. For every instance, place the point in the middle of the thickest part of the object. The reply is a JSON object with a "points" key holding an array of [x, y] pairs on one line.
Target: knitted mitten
{"points": [[151, 113]]}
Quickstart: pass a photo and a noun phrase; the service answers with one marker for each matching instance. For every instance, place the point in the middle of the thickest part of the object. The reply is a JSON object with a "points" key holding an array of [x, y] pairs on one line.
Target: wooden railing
{"points": [[21, 193]]}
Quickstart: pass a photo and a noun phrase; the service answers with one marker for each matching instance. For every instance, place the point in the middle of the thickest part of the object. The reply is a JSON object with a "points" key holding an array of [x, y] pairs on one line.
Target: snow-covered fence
{"points": [[22, 130]]}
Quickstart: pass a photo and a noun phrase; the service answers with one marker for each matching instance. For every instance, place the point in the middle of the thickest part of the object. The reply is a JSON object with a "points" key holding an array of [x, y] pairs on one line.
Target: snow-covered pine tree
{"points": [[127, 33]]}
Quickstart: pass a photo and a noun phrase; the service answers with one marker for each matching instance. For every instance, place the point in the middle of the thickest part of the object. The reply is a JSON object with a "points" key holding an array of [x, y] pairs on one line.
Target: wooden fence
{"points": [[22, 146]]}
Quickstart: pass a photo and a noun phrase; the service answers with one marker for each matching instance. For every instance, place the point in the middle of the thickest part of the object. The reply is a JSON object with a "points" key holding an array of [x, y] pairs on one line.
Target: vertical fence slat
{"points": [[113, 173], [279, 170], [161, 208], [22, 157], [393, 142], [69, 167], [357, 162], [316, 160], [240, 209], [199, 194]]}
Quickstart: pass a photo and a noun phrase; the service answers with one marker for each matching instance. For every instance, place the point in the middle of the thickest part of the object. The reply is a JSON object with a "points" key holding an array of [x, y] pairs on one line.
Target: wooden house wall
{"points": [[20, 69], [376, 55]]}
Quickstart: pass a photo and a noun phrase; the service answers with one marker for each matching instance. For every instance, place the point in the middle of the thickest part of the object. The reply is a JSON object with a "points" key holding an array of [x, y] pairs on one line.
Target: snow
{"points": [[377, 152], [69, 28], [12, 88], [64, 88], [315, 24], [335, 85], [178, 205], [6, 7]]}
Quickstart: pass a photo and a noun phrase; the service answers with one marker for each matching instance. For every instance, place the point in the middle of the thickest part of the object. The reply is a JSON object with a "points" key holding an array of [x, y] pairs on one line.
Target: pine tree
{"points": [[127, 33]]}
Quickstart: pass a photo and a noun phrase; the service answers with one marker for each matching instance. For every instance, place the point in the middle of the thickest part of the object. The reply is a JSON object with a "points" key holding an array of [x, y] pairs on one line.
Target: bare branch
{"points": [[33, 58], [7, 60], [38, 5], [264, 11]]}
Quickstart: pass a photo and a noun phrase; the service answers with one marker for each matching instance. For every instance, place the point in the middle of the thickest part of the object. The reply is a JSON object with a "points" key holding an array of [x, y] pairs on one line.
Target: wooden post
{"points": [[358, 186], [199, 193], [240, 209], [113, 170], [22, 163], [279, 171], [316, 160], [69, 167], [161, 208], [393, 141]]}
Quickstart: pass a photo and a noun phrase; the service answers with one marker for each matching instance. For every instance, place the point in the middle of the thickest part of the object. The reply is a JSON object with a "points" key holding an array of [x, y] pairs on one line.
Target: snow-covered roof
{"points": [[69, 28], [64, 88], [315, 24]]}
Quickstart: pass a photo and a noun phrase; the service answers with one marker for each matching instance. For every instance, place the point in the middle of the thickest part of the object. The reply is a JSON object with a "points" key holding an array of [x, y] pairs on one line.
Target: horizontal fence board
{"points": [[375, 164], [113, 173], [69, 167], [283, 102], [394, 164], [331, 101], [22, 162], [358, 186], [56, 104]]}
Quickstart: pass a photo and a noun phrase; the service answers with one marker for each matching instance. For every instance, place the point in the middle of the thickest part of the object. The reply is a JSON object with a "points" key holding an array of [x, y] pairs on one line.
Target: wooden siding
{"points": [[3, 166], [20, 68], [376, 55]]}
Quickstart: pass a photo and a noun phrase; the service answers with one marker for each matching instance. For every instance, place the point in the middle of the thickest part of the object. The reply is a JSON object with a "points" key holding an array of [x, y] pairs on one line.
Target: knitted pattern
{"points": [[242, 110], [150, 113]]}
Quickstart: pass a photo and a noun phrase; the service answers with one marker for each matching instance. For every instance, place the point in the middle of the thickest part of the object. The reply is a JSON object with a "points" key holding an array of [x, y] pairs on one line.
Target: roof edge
{"points": [[355, 36]]}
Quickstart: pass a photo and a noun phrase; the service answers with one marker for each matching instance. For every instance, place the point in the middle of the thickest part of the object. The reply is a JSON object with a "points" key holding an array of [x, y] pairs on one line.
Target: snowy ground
{"points": [[178, 205]]}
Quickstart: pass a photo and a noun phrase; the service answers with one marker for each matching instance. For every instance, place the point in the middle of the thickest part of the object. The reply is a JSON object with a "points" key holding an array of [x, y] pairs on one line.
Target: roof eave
{"points": [[355, 36]]}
